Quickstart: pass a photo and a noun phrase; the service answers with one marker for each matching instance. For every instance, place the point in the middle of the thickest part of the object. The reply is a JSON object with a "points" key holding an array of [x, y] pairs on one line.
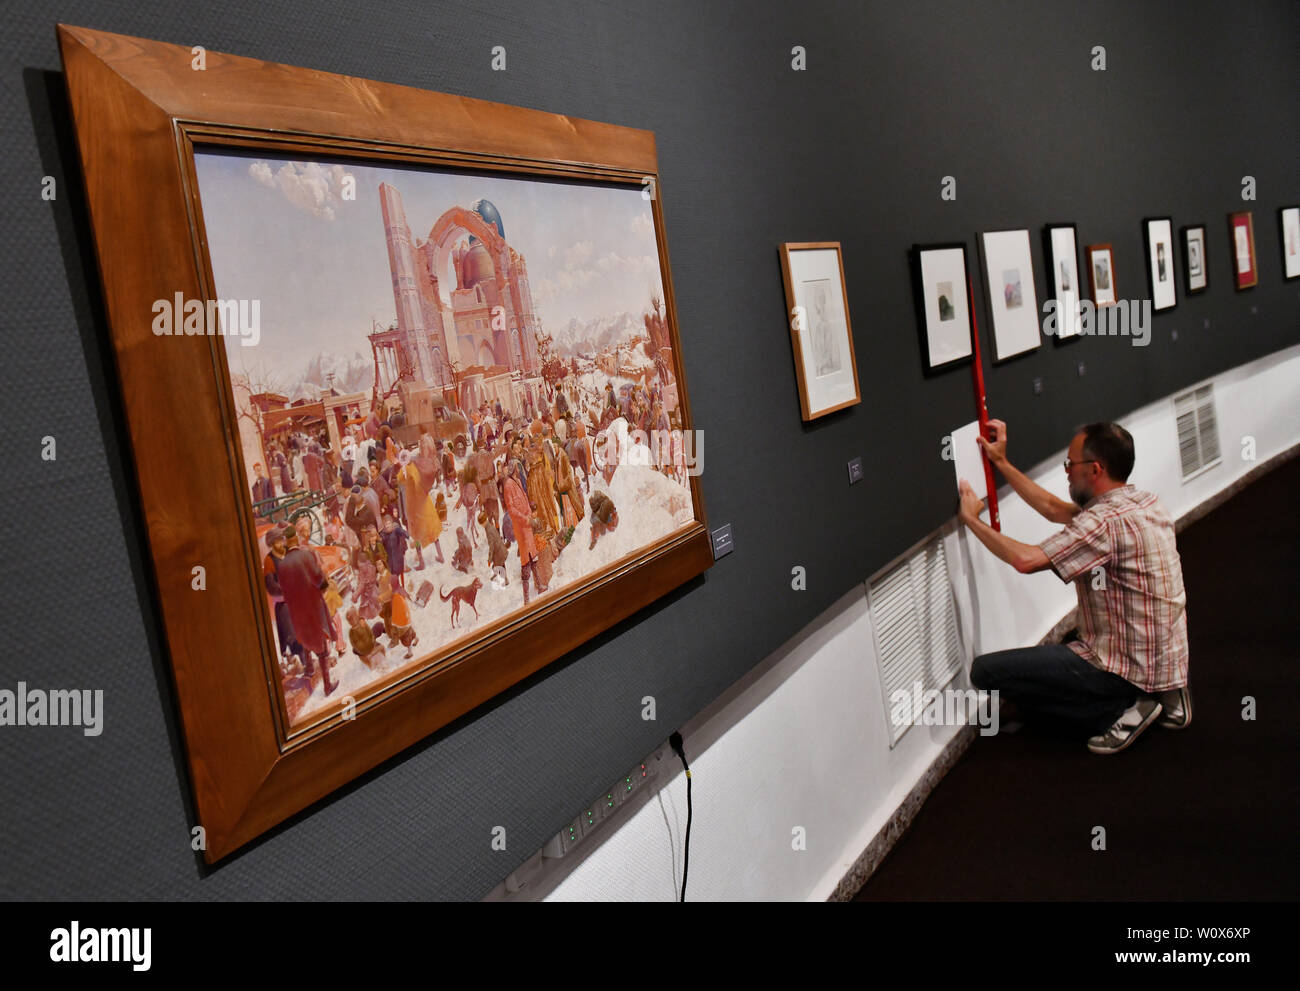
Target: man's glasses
{"points": [[1070, 464]]}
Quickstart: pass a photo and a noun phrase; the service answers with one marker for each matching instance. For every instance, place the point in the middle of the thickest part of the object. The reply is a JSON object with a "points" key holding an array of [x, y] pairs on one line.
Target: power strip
{"points": [[601, 810]]}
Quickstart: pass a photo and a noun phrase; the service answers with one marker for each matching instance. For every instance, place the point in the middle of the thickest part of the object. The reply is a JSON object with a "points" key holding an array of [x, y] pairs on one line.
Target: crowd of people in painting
{"points": [[523, 485]]}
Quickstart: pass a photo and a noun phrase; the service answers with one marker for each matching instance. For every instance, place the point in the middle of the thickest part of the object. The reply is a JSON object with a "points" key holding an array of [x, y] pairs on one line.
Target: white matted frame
{"points": [[1288, 219], [1012, 299], [1158, 234], [1061, 252], [817, 306], [1196, 270], [941, 280]]}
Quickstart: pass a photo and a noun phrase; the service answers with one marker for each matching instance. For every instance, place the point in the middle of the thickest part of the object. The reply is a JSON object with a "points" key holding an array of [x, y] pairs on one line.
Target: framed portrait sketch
{"points": [[1196, 271], [1100, 259], [1061, 251], [1288, 219], [1013, 302], [1158, 235], [1241, 235], [421, 355], [940, 279], [817, 306]]}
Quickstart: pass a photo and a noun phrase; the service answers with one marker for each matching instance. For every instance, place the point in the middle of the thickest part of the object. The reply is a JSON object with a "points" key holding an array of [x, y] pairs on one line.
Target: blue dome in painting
{"points": [[491, 216]]}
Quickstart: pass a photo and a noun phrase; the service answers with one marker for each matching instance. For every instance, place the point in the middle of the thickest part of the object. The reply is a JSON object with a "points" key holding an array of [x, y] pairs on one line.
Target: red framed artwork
{"points": [[1241, 234]]}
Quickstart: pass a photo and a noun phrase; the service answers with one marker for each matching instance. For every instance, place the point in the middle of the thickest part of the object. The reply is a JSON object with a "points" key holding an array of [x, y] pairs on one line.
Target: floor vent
{"points": [[914, 621], [1198, 431]]}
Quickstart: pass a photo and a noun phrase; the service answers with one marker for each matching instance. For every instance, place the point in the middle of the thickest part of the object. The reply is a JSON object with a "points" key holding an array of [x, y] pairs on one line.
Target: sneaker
{"points": [[1127, 728], [1177, 704]]}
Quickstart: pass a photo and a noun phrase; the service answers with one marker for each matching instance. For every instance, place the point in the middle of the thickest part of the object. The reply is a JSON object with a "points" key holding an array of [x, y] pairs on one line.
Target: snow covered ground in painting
{"points": [[650, 506]]}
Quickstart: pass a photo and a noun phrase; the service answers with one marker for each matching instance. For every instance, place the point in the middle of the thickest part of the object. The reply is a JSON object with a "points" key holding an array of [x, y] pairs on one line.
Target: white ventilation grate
{"points": [[1198, 431], [914, 621]]}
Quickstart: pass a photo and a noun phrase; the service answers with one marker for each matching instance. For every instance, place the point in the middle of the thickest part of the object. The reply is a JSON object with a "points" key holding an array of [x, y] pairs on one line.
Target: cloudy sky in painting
{"points": [[280, 232]]}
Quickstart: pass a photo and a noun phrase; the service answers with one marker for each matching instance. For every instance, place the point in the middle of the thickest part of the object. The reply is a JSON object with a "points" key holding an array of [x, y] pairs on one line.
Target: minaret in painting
{"points": [[406, 293]]}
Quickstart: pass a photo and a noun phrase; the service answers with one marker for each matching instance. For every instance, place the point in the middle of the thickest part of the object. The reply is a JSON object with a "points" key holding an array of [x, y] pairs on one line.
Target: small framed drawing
{"points": [[1061, 251], [818, 308], [1013, 303], [1158, 233], [1195, 269], [941, 281], [1241, 231], [1101, 273], [1289, 220]]}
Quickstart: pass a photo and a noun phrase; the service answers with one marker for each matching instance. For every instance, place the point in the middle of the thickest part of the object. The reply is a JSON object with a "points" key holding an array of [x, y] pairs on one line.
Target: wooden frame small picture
{"points": [[1158, 237], [1101, 274], [1196, 269], [1061, 252], [1012, 297], [1288, 220], [817, 310], [475, 230], [1241, 235], [941, 287]]}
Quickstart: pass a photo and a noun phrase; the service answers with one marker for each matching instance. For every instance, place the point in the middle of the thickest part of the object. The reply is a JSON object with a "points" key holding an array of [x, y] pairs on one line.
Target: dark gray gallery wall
{"points": [[1001, 96]]}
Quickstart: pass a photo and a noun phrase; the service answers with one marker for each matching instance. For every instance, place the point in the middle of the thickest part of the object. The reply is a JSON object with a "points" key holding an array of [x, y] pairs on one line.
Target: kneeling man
{"points": [[1128, 668]]}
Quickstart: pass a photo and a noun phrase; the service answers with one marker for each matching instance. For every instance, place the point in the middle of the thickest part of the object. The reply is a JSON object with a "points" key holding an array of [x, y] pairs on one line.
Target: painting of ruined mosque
{"points": [[460, 400]]}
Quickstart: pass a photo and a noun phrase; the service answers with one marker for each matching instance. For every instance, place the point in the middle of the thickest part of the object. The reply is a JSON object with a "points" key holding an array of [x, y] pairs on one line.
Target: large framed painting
{"points": [[1013, 301], [941, 284], [822, 337], [1288, 219], [1196, 271], [403, 381], [1061, 251], [1241, 231], [1158, 237]]}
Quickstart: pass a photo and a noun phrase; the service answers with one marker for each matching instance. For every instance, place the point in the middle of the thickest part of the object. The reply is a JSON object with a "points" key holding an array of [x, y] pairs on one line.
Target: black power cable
{"points": [[675, 741]]}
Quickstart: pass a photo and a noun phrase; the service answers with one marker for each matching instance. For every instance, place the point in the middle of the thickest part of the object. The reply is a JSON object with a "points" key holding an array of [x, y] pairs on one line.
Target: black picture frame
{"points": [[1149, 250], [922, 320], [1281, 236], [995, 357], [1050, 265], [1183, 237]]}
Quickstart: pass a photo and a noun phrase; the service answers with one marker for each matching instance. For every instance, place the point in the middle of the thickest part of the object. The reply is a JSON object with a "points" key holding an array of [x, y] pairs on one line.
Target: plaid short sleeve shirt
{"points": [[1120, 553]]}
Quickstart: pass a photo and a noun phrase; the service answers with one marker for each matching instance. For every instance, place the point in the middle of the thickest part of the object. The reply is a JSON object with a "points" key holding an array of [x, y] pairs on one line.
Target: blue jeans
{"points": [[1053, 683]]}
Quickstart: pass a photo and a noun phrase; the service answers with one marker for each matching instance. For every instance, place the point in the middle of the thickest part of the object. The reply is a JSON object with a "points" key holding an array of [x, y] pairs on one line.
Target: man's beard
{"points": [[1080, 496]]}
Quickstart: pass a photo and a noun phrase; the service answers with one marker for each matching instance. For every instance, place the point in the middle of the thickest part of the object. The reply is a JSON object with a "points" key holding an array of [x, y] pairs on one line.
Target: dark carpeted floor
{"points": [[1209, 812]]}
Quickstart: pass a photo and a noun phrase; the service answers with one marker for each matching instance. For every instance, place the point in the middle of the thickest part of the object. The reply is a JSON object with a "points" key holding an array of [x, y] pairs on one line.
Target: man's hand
{"points": [[971, 504], [997, 449]]}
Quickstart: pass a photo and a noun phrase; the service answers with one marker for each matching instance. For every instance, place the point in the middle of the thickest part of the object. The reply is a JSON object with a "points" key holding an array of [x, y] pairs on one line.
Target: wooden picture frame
{"points": [[821, 332], [1196, 269], [942, 292], [1158, 242], [1241, 241], [1064, 280], [142, 114], [1101, 282]]}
